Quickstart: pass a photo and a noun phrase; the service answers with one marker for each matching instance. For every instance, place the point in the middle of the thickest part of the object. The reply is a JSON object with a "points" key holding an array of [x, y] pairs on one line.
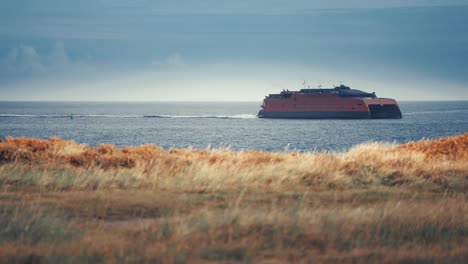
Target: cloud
{"points": [[174, 60], [24, 62]]}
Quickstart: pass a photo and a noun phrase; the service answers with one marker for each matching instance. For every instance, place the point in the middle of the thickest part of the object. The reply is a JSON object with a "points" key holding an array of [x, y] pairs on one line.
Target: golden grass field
{"points": [[63, 202]]}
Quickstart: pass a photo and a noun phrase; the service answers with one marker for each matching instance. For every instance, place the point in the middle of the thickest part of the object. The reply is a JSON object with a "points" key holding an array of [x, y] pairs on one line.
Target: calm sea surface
{"points": [[234, 125]]}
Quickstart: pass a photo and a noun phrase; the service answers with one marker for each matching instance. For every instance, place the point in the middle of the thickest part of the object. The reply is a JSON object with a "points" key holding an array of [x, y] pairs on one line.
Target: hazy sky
{"points": [[209, 50]]}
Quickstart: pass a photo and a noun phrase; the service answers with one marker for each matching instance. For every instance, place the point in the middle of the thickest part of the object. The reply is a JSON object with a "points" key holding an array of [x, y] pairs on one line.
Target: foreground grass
{"points": [[62, 202], [65, 165]]}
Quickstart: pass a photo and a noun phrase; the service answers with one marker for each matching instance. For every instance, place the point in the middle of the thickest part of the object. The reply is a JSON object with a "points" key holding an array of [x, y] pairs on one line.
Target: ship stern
{"points": [[381, 108]]}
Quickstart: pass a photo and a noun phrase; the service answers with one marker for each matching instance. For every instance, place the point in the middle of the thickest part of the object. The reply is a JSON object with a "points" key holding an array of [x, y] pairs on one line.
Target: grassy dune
{"points": [[65, 202]]}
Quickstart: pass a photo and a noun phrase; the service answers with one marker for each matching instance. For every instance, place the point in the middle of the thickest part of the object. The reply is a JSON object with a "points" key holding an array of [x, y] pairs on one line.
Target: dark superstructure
{"points": [[340, 102]]}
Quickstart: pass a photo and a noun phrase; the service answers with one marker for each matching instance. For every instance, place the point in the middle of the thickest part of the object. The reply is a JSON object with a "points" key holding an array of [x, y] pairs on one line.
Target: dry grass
{"points": [[64, 202], [437, 164]]}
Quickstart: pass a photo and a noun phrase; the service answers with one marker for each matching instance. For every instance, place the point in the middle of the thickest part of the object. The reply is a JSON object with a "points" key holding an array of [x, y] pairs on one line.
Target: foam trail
{"points": [[436, 112], [242, 116]]}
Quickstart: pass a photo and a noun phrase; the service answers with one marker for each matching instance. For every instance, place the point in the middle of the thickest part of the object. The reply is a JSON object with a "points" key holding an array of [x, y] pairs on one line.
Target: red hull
{"points": [[328, 105]]}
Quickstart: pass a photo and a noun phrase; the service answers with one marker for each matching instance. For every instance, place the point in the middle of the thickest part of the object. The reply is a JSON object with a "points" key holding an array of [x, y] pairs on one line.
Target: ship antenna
{"points": [[304, 83]]}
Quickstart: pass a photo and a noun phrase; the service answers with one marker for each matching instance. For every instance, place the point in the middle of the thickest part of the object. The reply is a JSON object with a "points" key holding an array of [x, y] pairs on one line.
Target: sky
{"points": [[219, 50]]}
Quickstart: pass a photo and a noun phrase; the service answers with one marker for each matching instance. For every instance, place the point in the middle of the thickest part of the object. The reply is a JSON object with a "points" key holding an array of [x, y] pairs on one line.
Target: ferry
{"points": [[340, 102]]}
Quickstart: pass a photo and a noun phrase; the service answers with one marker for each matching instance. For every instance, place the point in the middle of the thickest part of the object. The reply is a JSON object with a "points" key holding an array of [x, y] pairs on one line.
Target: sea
{"points": [[221, 125]]}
